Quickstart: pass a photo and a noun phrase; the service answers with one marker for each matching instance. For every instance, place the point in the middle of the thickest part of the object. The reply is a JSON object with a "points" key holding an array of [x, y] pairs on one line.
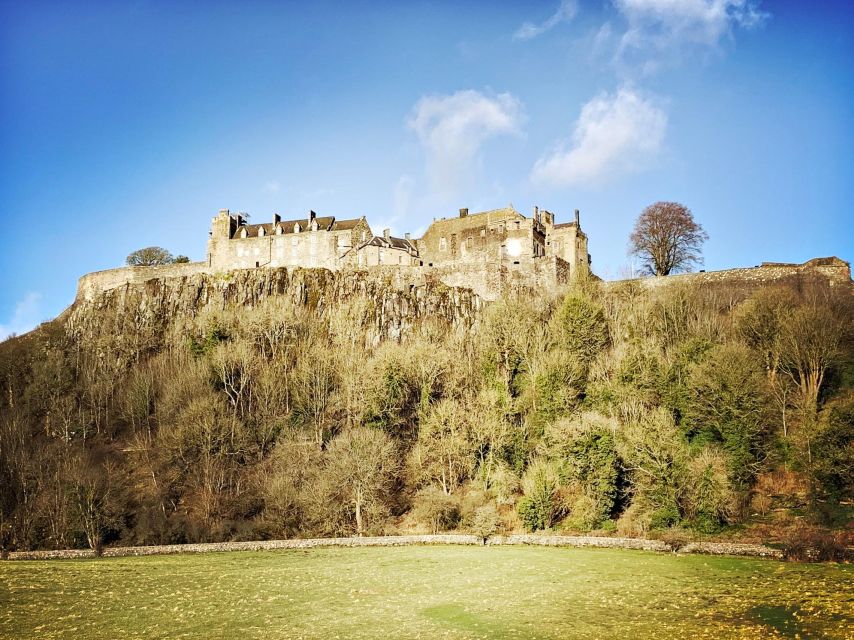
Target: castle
{"points": [[503, 238]]}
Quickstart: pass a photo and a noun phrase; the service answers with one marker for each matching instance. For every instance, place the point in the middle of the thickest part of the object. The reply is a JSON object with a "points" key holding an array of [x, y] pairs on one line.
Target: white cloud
{"points": [[657, 27], [403, 196], [273, 186], [453, 128], [565, 12], [26, 316], [614, 134]]}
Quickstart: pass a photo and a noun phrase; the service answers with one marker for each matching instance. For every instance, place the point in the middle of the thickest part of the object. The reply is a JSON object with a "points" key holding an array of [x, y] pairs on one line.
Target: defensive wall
{"points": [[487, 280], [832, 271]]}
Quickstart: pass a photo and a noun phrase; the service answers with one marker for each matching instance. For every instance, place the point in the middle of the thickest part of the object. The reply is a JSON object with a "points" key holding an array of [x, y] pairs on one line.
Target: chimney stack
{"points": [[311, 215], [536, 212], [276, 218], [386, 234], [577, 218], [406, 235], [464, 212]]}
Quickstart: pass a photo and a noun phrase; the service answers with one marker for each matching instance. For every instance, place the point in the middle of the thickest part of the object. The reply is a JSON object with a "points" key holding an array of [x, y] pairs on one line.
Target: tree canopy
{"points": [[149, 256], [667, 239]]}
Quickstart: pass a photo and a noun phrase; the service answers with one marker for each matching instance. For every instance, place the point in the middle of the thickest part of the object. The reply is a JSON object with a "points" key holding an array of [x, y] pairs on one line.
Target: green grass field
{"points": [[425, 592]]}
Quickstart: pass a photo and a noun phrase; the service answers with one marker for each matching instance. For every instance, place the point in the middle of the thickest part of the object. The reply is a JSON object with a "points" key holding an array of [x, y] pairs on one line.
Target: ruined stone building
{"points": [[500, 238]]}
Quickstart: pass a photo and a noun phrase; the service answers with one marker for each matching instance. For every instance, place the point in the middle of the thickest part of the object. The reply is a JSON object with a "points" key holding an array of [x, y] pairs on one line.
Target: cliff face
{"points": [[150, 307]]}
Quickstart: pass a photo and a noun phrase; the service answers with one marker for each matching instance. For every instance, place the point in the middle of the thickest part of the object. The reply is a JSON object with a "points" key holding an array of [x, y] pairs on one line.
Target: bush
{"points": [[436, 509], [664, 517], [485, 522], [585, 514], [675, 538], [540, 508], [811, 544]]}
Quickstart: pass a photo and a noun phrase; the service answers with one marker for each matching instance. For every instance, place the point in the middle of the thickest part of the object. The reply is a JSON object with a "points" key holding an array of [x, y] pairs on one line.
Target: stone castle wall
{"points": [[832, 272], [487, 280]]}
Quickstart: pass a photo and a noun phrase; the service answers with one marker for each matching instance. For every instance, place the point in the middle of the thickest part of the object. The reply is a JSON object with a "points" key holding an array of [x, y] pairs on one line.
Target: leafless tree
{"points": [[667, 239]]}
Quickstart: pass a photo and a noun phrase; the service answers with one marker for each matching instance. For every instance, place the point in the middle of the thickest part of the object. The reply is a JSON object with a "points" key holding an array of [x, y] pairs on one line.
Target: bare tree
{"points": [[362, 464], [667, 239], [150, 256]]}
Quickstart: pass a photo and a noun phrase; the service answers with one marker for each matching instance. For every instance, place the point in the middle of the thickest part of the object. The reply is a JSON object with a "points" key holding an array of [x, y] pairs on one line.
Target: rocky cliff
{"points": [[150, 306]]}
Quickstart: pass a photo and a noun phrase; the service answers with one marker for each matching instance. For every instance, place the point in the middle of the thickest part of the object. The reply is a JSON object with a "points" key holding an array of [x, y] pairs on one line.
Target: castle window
{"points": [[294, 242], [364, 235], [443, 244], [469, 243], [483, 233]]}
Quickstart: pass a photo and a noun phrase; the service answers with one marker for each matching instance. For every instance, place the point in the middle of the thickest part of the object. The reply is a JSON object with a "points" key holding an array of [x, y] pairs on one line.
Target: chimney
{"points": [[276, 218], [536, 212], [311, 215], [386, 234], [406, 235], [464, 212], [577, 218]]}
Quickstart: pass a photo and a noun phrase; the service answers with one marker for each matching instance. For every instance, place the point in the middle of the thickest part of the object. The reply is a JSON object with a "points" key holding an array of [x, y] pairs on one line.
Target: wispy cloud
{"points": [[403, 196], [26, 316], [660, 30], [614, 134], [565, 12], [273, 186], [453, 128]]}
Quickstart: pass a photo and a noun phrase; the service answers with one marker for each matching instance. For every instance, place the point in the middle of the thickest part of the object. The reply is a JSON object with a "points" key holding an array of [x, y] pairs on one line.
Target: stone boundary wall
{"points": [[834, 271], [710, 548]]}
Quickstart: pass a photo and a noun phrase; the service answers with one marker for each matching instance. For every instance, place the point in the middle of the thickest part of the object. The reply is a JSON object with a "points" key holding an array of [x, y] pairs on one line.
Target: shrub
{"points": [[664, 517], [584, 515], [436, 509], [711, 500], [811, 544], [504, 484], [540, 508], [485, 521]]}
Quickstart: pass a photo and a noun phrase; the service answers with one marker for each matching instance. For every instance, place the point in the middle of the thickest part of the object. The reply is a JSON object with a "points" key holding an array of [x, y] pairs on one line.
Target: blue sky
{"points": [[124, 125]]}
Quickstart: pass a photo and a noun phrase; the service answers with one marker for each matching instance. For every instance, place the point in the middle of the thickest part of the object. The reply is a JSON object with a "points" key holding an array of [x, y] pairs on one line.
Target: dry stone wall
{"points": [[711, 548]]}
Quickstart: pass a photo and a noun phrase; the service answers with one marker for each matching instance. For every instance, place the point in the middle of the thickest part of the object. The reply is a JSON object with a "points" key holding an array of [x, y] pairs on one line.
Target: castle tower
{"points": [[222, 228], [568, 242]]}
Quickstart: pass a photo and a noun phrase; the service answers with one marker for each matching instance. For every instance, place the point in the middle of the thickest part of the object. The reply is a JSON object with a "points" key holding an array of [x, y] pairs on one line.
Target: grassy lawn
{"points": [[425, 592]]}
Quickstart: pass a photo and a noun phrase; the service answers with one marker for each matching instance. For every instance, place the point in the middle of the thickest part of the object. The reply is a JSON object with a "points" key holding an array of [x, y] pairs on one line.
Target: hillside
{"points": [[272, 402]]}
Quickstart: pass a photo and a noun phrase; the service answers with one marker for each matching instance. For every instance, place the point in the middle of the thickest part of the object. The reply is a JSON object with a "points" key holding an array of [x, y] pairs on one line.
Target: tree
{"points": [[150, 256], [667, 239], [361, 464]]}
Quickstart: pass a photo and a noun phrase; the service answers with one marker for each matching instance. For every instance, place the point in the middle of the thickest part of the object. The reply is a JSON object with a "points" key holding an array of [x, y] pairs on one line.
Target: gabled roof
{"points": [[346, 225], [473, 219], [393, 243]]}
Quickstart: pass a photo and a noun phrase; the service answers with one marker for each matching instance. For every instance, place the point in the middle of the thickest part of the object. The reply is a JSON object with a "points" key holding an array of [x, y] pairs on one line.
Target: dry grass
{"points": [[425, 592]]}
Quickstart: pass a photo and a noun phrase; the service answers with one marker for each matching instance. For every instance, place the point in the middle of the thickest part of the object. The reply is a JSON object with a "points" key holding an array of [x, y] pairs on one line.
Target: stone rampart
{"points": [[97, 282], [831, 271]]}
